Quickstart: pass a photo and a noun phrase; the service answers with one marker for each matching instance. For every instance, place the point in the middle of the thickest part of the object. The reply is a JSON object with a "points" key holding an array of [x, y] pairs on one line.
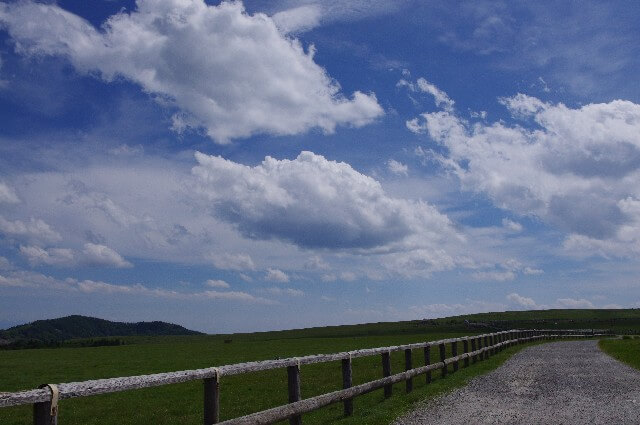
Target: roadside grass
{"points": [[240, 395], [626, 350]]}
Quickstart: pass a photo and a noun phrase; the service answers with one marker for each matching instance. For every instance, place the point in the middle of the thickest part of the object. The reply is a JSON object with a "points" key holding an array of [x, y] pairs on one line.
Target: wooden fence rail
{"points": [[45, 399]]}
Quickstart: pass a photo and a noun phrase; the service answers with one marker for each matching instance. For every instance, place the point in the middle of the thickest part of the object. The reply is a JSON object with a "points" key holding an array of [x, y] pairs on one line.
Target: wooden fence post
{"points": [[454, 352], [347, 382], [486, 345], [443, 356], [408, 366], [386, 371], [46, 412], [211, 400], [427, 361], [473, 348], [465, 348], [293, 378]]}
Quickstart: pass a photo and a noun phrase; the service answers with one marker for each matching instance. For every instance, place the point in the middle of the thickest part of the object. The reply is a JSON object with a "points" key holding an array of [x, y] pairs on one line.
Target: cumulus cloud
{"points": [[397, 168], [511, 225], [576, 168], [419, 261], [276, 275], [7, 194], [103, 256], [245, 77], [505, 271], [34, 229], [311, 202], [522, 301], [92, 254], [49, 256], [238, 262], [216, 283], [316, 263]]}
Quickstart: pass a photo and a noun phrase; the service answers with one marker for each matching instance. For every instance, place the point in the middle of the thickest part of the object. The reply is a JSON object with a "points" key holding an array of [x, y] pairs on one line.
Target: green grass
{"points": [[625, 350], [243, 394]]}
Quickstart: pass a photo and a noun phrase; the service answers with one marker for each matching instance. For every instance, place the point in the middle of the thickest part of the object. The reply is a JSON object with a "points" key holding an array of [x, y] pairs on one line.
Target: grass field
{"points": [[182, 403], [625, 350]]}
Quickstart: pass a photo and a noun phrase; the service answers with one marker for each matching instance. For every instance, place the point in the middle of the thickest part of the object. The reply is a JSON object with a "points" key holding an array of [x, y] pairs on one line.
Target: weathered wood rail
{"points": [[45, 399]]}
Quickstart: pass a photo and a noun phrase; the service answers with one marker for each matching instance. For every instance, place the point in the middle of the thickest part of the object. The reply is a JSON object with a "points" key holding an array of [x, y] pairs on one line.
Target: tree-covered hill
{"points": [[71, 327]]}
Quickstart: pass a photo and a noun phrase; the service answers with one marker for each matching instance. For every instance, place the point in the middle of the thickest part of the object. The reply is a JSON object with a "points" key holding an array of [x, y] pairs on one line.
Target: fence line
{"points": [[45, 398]]}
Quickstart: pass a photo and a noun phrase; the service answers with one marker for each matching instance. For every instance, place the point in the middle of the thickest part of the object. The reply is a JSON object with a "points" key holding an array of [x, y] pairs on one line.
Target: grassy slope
{"points": [[182, 403], [625, 350]]}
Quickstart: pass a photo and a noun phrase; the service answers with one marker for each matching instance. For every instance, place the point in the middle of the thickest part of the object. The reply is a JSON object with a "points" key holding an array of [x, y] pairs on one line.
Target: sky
{"points": [[236, 167]]}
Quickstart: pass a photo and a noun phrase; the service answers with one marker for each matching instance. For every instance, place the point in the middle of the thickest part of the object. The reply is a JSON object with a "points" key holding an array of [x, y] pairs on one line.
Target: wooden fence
{"points": [[474, 348]]}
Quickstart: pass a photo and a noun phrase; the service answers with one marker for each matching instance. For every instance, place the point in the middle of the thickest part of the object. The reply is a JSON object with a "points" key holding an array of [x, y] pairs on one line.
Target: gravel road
{"points": [[570, 382]]}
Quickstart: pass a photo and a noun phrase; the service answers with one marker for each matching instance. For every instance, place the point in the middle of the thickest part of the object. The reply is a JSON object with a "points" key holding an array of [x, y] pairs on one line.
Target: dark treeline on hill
{"points": [[93, 331]]}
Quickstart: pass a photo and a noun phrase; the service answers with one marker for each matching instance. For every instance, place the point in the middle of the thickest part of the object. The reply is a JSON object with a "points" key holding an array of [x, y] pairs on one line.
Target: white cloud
{"points": [[5, 264], [51, 256], [522, 301], [239, 262], [276, 275], [245, 77], [348, 276], [103, 256], [419, 262], [397, 168], [499, 276], [441, 98], [316, 263], [294, 16], [245, 277], [216, 283], [298, 19], [312, 202], [578, 169], [7, 194], [285, 291], [511, 225], [34, 229], [234, 296], [532, 271], [328, 277], [574, 303], [432, 311], [25, 279]]}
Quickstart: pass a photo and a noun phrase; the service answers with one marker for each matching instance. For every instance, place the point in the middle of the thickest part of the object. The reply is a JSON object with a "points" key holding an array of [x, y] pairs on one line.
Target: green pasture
{"points": [[627, 350], [243, 394]]}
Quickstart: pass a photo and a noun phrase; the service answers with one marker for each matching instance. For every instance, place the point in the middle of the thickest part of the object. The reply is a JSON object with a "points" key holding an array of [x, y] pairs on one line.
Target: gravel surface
{"points": [[570, 382]]}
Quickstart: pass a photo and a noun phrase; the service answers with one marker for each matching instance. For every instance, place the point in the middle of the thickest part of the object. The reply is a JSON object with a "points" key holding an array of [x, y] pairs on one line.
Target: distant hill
{"points": [[72, 327]]}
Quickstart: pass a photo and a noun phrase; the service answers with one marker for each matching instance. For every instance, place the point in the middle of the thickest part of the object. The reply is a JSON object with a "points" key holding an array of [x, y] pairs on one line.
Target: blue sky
{"points": [[255, 166]]}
